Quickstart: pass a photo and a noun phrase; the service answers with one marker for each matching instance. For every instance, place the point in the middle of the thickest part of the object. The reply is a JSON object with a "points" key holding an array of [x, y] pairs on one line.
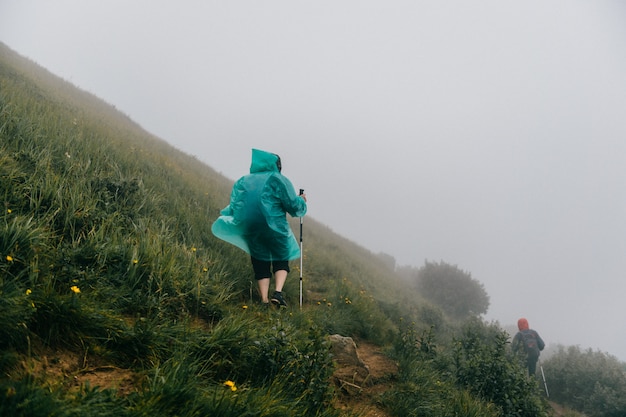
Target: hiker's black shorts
{"points": [[262, 269]]}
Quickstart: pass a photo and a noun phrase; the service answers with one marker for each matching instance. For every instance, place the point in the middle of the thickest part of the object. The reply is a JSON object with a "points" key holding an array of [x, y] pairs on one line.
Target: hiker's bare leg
{"points": [[264, 289], [280, 277]]}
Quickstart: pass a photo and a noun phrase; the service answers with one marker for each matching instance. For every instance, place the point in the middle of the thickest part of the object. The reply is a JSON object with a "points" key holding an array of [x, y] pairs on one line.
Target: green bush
{"points": [[589, 381], [424, 389], [481, 364], [429, 397], [477, 375], [453, 290]]}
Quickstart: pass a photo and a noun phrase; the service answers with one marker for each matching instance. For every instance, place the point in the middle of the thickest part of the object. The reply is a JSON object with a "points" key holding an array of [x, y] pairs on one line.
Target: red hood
{"points": [[522, 324]]}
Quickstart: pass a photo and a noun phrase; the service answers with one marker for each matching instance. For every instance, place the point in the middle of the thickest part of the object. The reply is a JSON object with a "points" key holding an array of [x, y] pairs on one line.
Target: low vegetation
{"points": [[108, 266], [590, 381]]}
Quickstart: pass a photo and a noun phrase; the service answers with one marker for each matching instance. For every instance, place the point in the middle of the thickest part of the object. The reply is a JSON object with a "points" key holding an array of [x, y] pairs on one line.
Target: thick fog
{"points": [[489, 134]]}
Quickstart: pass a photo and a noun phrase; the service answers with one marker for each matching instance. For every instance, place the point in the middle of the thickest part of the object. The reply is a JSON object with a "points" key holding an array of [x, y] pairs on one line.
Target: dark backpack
{"points": [[529, 340]]}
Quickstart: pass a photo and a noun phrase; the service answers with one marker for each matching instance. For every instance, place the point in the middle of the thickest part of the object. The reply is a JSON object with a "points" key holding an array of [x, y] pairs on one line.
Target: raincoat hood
{"points": [[263, 161], [522, 324]]}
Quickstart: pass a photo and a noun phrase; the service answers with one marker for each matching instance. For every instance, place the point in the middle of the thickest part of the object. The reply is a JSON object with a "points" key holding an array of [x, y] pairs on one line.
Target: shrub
{"points": [[589, 381], [452, 289], [424, 390], [481, 365]]}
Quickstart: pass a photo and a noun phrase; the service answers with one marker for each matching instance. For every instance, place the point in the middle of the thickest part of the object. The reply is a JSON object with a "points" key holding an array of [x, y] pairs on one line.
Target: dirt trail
{"points": [[360, 385]]}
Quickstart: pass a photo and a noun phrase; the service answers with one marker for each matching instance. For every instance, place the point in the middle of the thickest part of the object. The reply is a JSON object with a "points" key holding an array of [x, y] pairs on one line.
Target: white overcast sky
{"points": [[487, 134]]}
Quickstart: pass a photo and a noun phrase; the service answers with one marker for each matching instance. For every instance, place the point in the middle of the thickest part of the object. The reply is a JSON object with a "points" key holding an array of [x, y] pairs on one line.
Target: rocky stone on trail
{"points": [[362, 373], [352, 373]]}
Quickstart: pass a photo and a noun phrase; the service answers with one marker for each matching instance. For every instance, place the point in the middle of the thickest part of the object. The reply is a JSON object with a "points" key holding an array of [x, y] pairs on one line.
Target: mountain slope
{"points": [[107, 264], [106, 255]]}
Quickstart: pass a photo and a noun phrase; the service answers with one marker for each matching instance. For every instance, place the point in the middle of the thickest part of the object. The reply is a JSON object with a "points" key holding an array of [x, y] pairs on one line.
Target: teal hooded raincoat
{"points": [[255, 220]]}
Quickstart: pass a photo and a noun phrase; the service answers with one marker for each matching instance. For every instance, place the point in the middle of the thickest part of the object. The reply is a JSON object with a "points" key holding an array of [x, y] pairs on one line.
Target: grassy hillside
{"points": [[108, 266], [106, 253]]}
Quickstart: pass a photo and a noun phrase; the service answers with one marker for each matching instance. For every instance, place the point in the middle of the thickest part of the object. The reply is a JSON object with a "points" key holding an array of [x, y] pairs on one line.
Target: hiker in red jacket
{"points": [[531, 342]]}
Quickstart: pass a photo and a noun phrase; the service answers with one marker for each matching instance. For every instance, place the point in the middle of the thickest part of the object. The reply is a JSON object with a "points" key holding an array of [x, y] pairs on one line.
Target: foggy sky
{"points": [[488, 134]]}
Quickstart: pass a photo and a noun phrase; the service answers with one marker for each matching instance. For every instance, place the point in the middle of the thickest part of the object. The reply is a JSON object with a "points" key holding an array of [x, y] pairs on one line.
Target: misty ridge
{"points": [[108, 265]]}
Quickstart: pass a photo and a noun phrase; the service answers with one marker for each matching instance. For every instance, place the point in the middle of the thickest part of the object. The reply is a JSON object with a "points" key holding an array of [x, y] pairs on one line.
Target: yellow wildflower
{"points": [[193, 249], [75, 289], [135, 261], [9, 211], [244, 307], [205, 269], [231, 384], [9, 258], [28, 291]]}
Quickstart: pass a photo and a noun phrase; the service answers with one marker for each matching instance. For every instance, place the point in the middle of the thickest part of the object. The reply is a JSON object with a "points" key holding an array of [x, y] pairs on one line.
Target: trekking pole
{"points": [[301, 254], [544, 381]]}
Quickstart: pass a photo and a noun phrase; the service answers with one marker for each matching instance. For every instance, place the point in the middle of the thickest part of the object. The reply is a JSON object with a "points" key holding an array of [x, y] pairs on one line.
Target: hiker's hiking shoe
{"points": [[278, 300]]}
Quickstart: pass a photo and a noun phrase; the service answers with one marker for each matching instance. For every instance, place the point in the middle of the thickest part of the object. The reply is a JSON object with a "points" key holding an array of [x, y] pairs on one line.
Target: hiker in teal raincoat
{"points": [[256, 221]]}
